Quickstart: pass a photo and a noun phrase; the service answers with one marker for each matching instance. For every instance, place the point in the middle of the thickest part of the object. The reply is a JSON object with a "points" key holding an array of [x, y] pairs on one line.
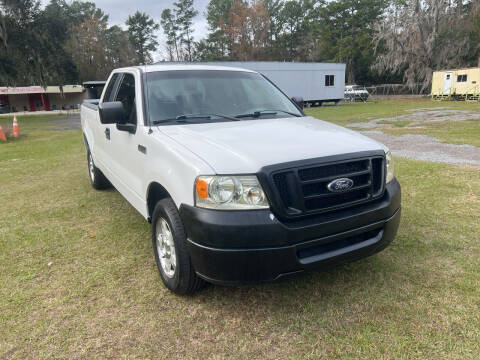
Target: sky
{"points": [[119, 10]]}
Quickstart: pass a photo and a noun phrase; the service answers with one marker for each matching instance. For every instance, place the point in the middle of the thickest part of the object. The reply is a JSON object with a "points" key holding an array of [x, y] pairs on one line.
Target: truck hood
{"points": [[248, 145]]}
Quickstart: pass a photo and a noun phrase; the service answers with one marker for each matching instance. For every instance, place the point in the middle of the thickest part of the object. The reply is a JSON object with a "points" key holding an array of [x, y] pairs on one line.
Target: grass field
{"points": [[79, 278], [356, 112]]}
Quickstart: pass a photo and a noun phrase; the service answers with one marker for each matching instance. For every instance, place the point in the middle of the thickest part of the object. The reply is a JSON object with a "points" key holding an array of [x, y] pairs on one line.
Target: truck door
{"points": [[101, 132], [447, 83], [128, 149]]}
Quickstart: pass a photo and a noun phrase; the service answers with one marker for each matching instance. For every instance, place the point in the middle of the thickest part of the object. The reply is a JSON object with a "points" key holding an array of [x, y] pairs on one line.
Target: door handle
{"points": [[107, 133]]}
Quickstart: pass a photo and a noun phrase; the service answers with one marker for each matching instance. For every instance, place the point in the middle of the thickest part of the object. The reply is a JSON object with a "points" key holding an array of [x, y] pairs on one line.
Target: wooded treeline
{"points": [[381, 41]]}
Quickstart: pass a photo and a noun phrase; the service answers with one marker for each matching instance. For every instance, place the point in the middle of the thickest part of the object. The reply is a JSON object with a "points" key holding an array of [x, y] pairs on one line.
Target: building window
{"points": [[329, 80], [462, 78]]}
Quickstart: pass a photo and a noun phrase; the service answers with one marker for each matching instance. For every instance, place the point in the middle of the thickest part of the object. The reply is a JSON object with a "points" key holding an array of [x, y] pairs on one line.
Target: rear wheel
{"points": [[170, 249], [97, 179]]}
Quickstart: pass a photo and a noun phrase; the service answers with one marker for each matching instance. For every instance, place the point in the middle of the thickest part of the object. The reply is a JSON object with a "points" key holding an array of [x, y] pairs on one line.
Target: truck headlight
{"points": [[225, 192], [390, 167]]}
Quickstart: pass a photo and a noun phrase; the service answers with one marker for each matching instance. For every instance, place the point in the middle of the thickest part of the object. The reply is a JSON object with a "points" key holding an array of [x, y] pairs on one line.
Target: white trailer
{"points": [[315, 82]]}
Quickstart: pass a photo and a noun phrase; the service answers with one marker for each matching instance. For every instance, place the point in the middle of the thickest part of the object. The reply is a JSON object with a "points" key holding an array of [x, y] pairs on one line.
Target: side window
{"points": [[126, 94], [329, 80], [111, 85]]}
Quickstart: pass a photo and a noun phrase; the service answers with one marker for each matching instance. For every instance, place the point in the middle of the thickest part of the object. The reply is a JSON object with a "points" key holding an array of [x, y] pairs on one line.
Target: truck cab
{"points": [[239, 185]]}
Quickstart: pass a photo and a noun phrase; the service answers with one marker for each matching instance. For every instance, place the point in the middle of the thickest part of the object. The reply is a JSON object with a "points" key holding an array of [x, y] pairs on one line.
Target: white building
{"points": [[314, 82]]}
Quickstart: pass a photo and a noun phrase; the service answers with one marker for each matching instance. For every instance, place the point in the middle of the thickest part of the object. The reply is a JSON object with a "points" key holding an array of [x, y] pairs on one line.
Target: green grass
{"points": [[459, 132], [79, 278]]}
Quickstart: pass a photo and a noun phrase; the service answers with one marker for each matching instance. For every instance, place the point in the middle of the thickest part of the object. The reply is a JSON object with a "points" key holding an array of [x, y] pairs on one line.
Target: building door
{"points": [[4, 104], [447, 83], [31, 101], [35, 101]]}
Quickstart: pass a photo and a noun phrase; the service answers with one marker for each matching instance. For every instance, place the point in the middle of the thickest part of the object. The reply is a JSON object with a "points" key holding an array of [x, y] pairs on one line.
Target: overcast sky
{"points": [[119, 10]]}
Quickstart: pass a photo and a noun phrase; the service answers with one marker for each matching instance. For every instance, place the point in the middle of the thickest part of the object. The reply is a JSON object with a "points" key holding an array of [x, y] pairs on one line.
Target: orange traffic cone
{"points": [[2, 135], [16, 132]]}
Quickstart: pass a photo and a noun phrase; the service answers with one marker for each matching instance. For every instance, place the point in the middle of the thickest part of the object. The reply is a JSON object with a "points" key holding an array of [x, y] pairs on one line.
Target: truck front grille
{"points": [[303, 190]]}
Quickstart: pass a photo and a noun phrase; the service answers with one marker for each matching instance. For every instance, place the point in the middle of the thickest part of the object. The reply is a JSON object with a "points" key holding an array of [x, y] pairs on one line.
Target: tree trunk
{"points": [[189, 46], [350, 73]]}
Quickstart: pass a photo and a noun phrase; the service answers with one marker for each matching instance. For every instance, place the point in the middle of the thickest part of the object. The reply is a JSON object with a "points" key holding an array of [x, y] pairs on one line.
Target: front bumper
{"points": [[254, 246]]}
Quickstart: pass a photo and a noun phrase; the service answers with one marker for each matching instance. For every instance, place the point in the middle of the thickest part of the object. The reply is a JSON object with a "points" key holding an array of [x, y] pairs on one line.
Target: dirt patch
{"points": [[422, 147], [418, 117]]}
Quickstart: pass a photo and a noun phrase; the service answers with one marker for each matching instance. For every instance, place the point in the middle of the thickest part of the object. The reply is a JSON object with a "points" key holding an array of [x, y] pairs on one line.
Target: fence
{"points": [[397, 89]]}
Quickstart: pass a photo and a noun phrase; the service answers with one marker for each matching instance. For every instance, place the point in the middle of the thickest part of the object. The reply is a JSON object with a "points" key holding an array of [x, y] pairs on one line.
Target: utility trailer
{"points": [[315, 82], [456, 84]]}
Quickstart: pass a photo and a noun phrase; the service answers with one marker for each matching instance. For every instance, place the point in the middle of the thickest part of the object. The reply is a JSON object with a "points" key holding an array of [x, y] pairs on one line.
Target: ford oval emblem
{"points": [[340, 185]]}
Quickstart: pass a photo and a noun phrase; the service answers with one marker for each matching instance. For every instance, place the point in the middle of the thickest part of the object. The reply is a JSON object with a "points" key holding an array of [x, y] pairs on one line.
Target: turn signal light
{"points": [[202, 189]]}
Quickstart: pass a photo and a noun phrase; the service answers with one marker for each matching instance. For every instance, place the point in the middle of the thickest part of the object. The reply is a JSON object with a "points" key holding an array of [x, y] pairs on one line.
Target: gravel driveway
{"points": [[418, 117], [422, 147]]}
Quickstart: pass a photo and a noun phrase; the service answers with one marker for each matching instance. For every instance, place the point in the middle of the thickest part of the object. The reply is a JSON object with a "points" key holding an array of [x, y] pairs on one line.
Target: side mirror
{"points": [[111, 112], [298, 100]]}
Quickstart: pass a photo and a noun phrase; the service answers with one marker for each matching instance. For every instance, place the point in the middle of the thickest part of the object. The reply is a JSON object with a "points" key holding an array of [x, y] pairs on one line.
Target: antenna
{"points": [[145, 85]]}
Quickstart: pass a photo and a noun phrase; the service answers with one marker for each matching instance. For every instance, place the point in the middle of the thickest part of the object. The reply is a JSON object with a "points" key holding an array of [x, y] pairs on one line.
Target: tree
{"points": [[185, 13], [119, 51], [291, 21], [88, 46], [141, 30], [96, 49], [217, 11], [170, 29], [32, 44], [346, 35], [417, 37], [273, 9], [217, 41], [246, 28]]}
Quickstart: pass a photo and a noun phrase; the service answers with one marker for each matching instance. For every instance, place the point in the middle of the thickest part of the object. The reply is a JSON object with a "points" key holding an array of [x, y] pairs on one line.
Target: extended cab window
{"points": [[111, 85], [126, 95]]}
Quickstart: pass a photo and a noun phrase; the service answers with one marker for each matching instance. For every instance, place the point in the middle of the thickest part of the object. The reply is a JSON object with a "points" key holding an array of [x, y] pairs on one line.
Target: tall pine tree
{"points": [[185, 13]]}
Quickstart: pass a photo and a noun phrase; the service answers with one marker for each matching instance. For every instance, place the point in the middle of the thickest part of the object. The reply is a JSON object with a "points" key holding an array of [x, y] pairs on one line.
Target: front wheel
{"points": [[170, 249]]}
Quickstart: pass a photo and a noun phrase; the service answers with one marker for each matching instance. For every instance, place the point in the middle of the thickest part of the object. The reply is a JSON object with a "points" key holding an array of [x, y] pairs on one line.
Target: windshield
{"points": [[178, 94], [357, 87]]}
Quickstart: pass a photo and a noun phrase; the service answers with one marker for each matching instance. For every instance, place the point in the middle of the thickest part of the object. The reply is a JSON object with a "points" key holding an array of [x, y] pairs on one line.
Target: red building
{"points": [[35, 98]]}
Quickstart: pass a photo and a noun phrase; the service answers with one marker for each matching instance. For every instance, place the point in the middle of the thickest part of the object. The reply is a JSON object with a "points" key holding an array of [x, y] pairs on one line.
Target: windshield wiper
{"points": [[257, 114], [183, 117]]}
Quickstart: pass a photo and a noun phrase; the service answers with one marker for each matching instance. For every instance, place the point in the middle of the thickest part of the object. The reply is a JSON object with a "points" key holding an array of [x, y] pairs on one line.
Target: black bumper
{"points": [[254, 246]]}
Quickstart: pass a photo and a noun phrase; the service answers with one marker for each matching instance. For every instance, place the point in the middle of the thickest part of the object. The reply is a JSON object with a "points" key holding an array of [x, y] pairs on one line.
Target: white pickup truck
{"points": [[238, 183]]}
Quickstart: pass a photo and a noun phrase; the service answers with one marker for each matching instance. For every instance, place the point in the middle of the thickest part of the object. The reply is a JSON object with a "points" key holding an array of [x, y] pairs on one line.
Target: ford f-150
{"points": [[238, 183]]}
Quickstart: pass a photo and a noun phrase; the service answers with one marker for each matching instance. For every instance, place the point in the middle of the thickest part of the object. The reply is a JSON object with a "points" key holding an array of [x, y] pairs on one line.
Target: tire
{"points": [[97, 179], [169, 242]]}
